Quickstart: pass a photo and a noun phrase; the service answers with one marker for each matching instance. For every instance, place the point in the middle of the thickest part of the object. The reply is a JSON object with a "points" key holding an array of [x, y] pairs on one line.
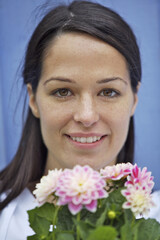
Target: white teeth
{"points": [[84, 140], [89, 140]]}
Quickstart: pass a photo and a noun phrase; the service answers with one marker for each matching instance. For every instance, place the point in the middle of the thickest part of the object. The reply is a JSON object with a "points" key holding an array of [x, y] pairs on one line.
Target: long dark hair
{"points": [[80, 16]]}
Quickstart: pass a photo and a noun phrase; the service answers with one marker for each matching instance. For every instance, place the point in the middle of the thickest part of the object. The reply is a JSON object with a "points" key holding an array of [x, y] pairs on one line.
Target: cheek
{"points": [[53, 117], [118, 117]]}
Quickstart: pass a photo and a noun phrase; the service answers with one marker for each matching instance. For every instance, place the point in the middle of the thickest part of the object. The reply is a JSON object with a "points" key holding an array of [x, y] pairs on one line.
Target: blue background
{"points": [[18, 19]]}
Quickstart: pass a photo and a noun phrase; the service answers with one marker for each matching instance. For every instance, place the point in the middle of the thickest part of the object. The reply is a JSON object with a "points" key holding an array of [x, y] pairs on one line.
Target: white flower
{"points": [[138, 198], [47, 186]]}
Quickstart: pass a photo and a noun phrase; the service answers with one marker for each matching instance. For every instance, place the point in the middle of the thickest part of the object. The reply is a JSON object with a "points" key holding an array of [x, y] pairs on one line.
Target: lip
{"points": [[79, 134], [86, 146]]}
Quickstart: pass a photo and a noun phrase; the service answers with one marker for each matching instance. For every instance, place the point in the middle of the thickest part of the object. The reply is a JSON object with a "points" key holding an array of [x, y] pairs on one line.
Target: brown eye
{"points": [[109, 93], [62, 92]]}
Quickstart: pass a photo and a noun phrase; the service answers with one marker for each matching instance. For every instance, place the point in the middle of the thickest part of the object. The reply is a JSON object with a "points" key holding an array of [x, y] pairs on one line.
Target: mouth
{"points": [[90, 139], [86, 142]]}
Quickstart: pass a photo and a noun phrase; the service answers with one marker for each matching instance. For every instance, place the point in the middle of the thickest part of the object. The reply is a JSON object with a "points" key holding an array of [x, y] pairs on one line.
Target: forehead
{"points": [[78, 51]]}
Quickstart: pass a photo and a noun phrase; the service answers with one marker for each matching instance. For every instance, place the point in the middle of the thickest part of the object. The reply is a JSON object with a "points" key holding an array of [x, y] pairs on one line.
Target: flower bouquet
{"points": [[84, 204]]}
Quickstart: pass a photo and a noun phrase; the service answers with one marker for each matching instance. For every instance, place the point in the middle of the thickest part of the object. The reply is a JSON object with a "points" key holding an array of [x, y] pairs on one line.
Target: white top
{"points": [[155, 211], [14, 223]]}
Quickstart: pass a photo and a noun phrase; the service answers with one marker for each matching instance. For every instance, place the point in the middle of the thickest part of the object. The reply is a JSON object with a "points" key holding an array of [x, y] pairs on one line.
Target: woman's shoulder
{"points": [[155, 211], [156, 194], [14, 219]]}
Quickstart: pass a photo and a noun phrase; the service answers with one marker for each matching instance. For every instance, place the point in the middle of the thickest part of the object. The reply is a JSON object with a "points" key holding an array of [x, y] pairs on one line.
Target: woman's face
{"points": [[84, 101]]}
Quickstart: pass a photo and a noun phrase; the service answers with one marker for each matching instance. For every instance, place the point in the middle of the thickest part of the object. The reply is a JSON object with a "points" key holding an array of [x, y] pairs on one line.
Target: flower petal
{"points": [[92, 207], [74, 209]]}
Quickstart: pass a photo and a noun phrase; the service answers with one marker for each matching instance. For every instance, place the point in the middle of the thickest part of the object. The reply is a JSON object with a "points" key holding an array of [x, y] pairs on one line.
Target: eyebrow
{"points": [[59, 79], [105, 80]]}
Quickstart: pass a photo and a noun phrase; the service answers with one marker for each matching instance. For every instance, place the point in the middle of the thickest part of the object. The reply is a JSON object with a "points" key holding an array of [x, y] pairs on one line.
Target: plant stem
{"points": [[54, 222], [111, 222], [55, 216], [78, 233], [53, 236], [133, 221]]}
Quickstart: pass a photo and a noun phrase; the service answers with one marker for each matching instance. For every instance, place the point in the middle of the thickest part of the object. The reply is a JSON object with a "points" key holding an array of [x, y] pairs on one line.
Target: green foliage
{"points": [[46, 211], [147, 229], [139, 229], [41, 218], [34, 237], [103, 233], [40, 225], [84, 229], [57, 223], [64, 236], [64, 220]]}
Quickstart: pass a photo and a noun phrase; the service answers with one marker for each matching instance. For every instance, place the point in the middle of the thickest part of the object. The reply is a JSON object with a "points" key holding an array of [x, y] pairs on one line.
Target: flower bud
{"points": [[111, 214]]}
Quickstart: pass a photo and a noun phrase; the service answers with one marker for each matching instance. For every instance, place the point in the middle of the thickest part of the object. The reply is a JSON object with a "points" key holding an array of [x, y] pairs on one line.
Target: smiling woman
{"points": [[82, 71], [94, 76]]}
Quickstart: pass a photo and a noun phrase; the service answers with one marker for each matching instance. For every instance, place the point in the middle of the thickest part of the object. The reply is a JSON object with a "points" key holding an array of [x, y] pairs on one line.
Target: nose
{"points": [[86, 111]]}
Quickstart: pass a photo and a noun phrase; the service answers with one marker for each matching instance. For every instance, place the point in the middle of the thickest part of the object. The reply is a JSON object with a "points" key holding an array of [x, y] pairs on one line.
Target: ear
{"points": [[32, 101], [135, 100]]}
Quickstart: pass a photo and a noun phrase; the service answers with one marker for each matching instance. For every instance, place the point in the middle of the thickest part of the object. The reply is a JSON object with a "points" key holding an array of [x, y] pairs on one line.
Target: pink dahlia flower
{"points": [[141, 177], [80, 186], [138, 199], [47, 186], [116, 172], [139, 185]]}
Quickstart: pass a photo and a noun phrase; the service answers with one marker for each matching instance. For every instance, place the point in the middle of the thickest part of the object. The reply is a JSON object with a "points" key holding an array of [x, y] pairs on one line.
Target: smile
{"points": [[86, 139]]}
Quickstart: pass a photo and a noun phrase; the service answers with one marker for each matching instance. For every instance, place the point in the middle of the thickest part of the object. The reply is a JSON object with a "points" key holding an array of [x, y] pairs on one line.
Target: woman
{"points": [[82, 71]]}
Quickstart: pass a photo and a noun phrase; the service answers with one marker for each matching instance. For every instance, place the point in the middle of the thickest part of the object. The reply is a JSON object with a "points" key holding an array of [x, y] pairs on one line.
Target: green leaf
{"points": [[64, 221], [50, 236], [102, 218], [103, 233], [64, 236], [97, 218], [84, 228], [36, 237], [38, 224], [116, 198], [46, 211], [33, 237], [113, 202], [128, 216], [126, 232], [147, 229]]}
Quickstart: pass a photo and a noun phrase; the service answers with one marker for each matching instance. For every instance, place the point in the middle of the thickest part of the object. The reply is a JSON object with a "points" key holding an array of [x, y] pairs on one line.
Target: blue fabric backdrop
{"points": [[17, 21]]}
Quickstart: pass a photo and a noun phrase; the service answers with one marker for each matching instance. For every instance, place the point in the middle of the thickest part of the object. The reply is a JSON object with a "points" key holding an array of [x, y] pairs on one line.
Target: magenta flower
{"points": [[141, 177], [116, 172], [80, 187]]}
